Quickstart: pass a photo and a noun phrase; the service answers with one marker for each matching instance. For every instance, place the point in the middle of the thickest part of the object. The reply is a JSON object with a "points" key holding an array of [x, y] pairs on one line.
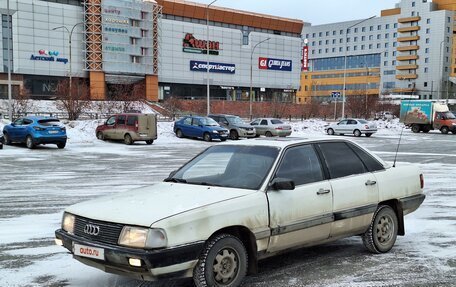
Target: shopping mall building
{"points": [[162, 44], [409, 49]]}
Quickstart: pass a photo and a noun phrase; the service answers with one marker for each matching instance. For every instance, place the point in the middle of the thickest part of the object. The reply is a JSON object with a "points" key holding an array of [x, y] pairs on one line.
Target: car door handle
{"points": [[323, 191], [371, 182]]}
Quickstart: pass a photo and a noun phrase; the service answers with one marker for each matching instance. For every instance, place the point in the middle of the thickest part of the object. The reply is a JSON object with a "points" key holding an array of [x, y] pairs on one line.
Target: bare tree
{"points": [[128, 97], [172, 107], [21, 103], [76, 101]]}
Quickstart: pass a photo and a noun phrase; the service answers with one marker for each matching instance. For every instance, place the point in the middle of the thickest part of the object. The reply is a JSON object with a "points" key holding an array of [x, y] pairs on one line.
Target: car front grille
{"points": [[108, 232]]}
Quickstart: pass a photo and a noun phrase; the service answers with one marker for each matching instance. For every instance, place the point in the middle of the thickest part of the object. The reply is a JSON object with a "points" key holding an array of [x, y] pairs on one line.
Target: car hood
{"points": [[146, 205], [244, 126]]}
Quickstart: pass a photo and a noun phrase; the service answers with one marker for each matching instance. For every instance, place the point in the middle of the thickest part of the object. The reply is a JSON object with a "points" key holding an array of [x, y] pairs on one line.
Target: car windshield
{"points": [[362, 121], [235, 120], [449, 116], [50, 123], [229, 166], [208, 122], [276, 122]]}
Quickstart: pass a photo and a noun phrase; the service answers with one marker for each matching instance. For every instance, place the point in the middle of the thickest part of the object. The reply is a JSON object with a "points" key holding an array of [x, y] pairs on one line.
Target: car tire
{"points": [[179, 133], [416, 128], [357, 133], [368, 135], [234, 135], [7, 139], [444, 130], [61, 145], [330, 132], [149, 142], [382, 232], [100, 136], [29, 142], [1, 146], [207, 137], [128, 140], [223, 262], [268, 134]]}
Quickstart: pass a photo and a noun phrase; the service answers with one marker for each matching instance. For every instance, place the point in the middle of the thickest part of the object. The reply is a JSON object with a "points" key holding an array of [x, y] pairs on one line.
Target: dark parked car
{"points": [[200, 127], [34, 131]]}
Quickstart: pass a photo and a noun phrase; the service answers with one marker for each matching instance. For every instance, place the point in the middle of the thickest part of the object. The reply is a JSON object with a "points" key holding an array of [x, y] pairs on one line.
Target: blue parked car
{"points": [[200, 127], [36, 130]]}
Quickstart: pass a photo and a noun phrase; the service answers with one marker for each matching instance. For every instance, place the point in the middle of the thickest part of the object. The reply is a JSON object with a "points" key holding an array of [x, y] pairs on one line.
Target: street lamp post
{"points": [[345, 63], [10, 37], [251, 75], [70, 32], [440, 69], [207, 58]]}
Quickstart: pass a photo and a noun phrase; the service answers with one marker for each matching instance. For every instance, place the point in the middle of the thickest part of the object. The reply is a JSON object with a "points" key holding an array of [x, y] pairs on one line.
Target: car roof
{"points": [[283, 142], [37, 118]]}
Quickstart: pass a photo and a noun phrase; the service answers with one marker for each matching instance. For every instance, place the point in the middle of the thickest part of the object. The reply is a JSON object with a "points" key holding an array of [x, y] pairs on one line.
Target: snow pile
{"points": [[82, 131], [306, 127]]}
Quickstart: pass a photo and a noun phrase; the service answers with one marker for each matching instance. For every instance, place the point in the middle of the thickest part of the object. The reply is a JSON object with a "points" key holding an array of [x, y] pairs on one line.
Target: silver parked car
{"points": [[271, 127], [235, 125], [356, 127]]}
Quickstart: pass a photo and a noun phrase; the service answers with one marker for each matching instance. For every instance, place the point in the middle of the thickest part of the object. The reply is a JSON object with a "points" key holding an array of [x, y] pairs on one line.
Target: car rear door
{"points": [[352, 125], [121, 127], [302, 215], [355, 189]]}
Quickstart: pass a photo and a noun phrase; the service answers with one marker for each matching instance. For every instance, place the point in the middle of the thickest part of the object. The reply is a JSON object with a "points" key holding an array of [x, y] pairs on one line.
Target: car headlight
{"points": [[143, 237], [215, 132], [68, 222]]}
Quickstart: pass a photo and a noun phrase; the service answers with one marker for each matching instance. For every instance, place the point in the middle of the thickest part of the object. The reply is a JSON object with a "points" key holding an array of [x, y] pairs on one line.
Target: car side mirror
{"points": [[282, 184], [225, 123]]}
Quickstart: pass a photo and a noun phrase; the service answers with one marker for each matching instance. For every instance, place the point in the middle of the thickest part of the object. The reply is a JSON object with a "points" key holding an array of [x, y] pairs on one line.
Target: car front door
{"points": [[341, 127], [14, 130], [302, 215], [197, 128], [109, 129], [355, 189]]}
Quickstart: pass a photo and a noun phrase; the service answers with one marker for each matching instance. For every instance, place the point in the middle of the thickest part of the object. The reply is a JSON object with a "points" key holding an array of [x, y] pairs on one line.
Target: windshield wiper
{"points": [[173, 179], [204, 183]]}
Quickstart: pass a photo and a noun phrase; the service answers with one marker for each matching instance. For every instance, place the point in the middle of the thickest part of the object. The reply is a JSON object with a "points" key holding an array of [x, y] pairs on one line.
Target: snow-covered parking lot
{"points": [[36, 185]]}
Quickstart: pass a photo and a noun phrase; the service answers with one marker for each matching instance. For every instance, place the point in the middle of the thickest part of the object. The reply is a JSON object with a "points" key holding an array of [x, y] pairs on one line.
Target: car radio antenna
{"points": [[402, 130]]}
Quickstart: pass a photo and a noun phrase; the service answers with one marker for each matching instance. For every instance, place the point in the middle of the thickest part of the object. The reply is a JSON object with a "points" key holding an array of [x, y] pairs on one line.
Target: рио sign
{"points": [[48, 56], [192, 45], [274, 64]]}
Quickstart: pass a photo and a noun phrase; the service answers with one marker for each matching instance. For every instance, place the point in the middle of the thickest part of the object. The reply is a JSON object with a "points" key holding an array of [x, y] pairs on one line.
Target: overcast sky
{"points": [[313, 11]]}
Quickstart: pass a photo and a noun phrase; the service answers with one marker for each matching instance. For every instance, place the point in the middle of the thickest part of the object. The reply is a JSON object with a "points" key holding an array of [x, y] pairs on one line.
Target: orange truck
{"points": [[424, 116]]}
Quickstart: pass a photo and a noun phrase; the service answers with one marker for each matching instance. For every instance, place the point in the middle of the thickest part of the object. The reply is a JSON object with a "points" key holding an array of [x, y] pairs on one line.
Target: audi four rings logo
{"points": [[91, 229]]}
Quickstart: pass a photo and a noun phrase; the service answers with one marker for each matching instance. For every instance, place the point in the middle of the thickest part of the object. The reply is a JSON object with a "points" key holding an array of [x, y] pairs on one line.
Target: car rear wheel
{"points": [[444, 130], [368, 135], [357, 133], [128, 140], [149, 142], [234, 135], [330, 132], [61, 145], [382, 232], [179, 134], [100, 136], [29, 142], [223, 262], [416, 128], [207, 137], [268, 134], [7, 139]]}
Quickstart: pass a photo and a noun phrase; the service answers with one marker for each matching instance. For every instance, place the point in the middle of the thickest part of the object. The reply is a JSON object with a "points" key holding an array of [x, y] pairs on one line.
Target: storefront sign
{"points": [[274, 64], [114, 49], [112, 11], [193, 45], [116, 30], [116, 21], [200, 66], [305, 58], [48, 56]]}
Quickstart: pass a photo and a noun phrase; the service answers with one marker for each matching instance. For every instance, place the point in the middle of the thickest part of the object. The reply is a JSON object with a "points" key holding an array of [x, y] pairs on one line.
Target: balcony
{"points": [[409, 29], [409, 19], [407, 39], [406, 76], [407, 67], [407, 58], [408, 48]]}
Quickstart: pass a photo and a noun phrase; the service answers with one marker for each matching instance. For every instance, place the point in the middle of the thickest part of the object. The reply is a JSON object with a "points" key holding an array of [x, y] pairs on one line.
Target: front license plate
{"points": [[53, 132], [88, 251]]}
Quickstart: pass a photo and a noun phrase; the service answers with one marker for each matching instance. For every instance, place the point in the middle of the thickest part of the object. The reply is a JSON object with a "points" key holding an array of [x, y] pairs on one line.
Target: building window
{"points": [[395, 25], [320, 34], [378, 45], [334, 33], [426, 60], [355, 39], [394, 35], [386, 36], [348, 40], [333, 50], [320, 42], [327, 34], [426, 50], [341, 32], [326, 50], [394, 63], [449, 19], [379, 36], [356, 30], [313, 43], [143, 51], [135, 59], [355, 48], [385, 63], [313, 35], [340, 49], [428, 30], [371, 28], [334, 41], [363, 38], [394, 44], [363, 29], [133, 41], [143, 33], [386, 45], [307, 36], [413, 13], [428, 21], [426, 70], [379, 27], [327, 42], [427, 40], [362, 47], [413, 4], [425, 84], [319, 51], [370, 46], [341, 40], [394, 53]]}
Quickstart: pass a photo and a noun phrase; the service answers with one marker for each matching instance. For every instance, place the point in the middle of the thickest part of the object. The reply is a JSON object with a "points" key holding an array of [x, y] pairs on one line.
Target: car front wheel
{"points": [[179, 134], [382, 232], [207, 137], [128, 140], [100, 136], [444, 130], [29, 142], [330, 132], [223, 262], [234, 135]]}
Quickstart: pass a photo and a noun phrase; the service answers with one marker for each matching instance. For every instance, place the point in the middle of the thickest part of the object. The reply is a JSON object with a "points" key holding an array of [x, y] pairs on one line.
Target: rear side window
{"points": [[131, 120], [27, 122], [371, 163], [341, 159], [121, 120], [301, 165], [276, 122], [49, 122]]}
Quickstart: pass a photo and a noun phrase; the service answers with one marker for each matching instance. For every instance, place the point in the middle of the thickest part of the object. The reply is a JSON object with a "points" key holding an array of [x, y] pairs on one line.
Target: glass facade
{"points": [[359, 87], [7, 37], [353, 62]]}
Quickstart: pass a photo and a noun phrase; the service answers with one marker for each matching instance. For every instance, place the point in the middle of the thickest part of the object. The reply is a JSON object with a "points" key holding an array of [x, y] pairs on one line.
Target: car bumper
{"points": [[219, 136], [247, 134], [49, 139], [282, 133], [176, 262], [411, 203], [372, 131]]}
